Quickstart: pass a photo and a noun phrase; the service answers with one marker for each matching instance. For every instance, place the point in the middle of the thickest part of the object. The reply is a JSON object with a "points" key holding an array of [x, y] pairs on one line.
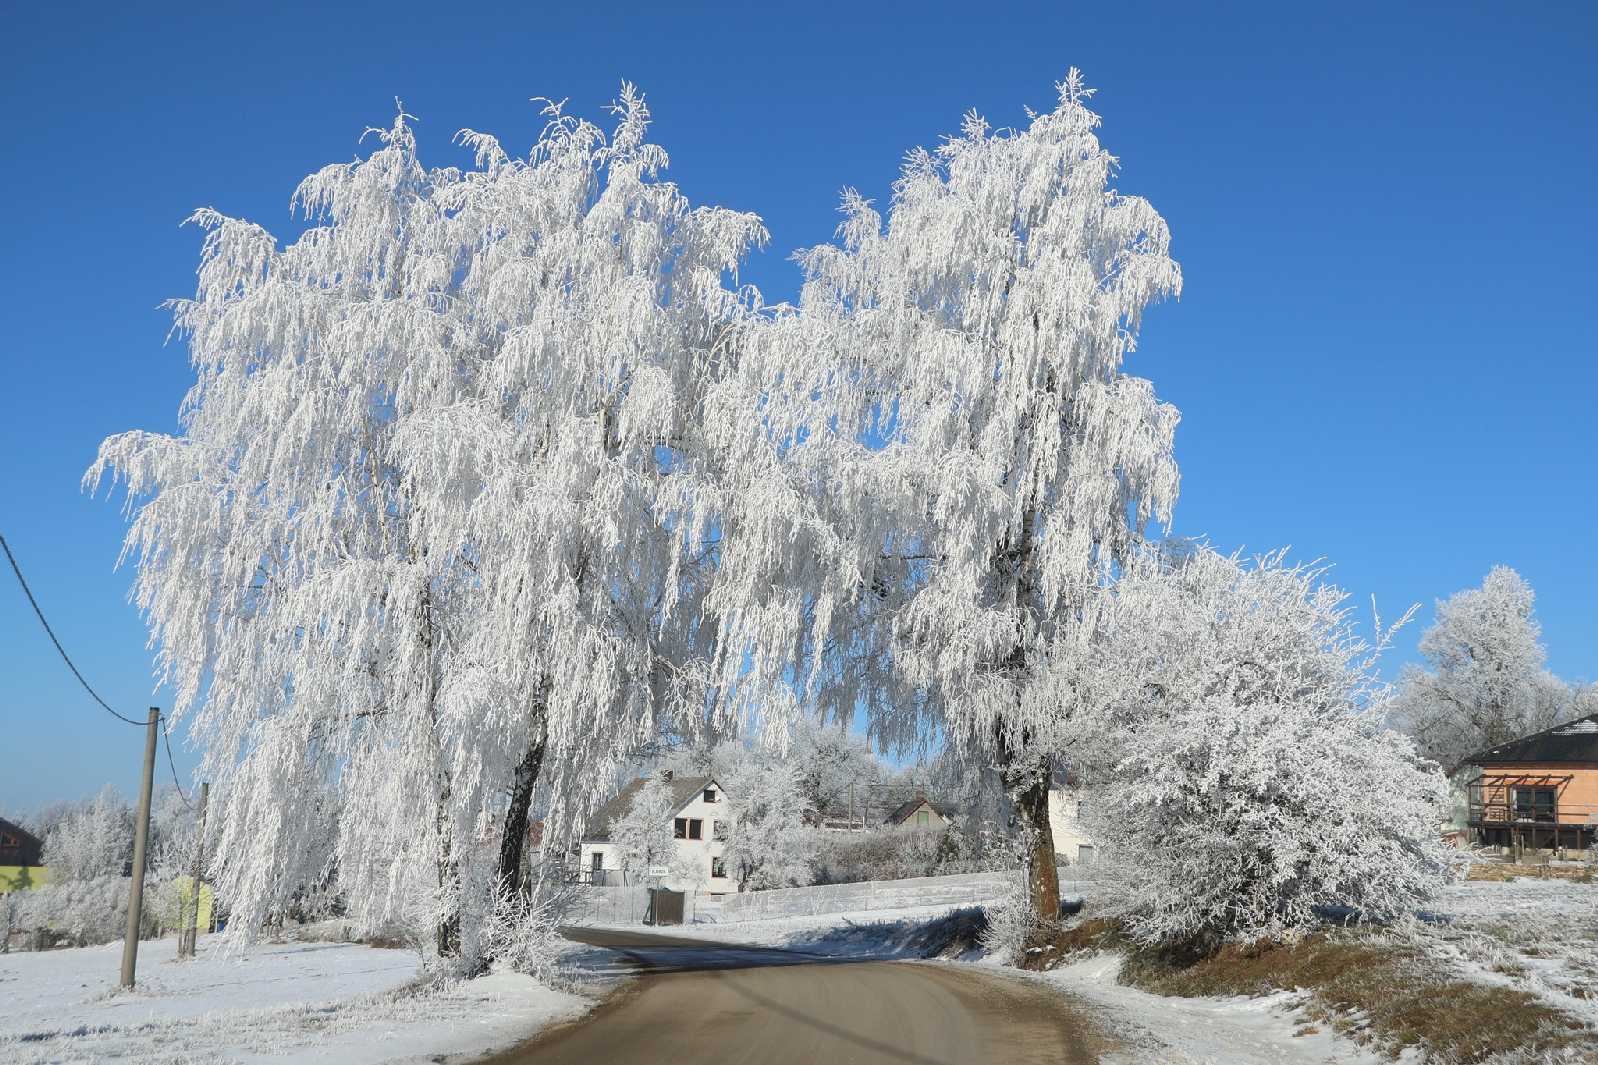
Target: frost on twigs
{"points": [[1250, 784], [1485, 682], [440, 520], [963, 453]]}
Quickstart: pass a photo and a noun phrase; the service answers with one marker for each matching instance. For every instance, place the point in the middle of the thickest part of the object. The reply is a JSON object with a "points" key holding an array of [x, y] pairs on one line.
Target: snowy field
{"points": [[290, 1002]]}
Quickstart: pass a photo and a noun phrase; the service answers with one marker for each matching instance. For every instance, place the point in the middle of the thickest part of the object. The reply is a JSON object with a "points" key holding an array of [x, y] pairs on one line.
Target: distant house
{"points": [[21, 858], [700, 820], [919, 814], [1537, 791]]}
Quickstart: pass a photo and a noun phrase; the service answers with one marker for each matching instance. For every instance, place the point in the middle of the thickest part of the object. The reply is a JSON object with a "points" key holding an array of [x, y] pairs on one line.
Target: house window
{"points": [[599, 861], [923, 819], [718, 867], [710, 794], [696, 828], [718, 831], [1536, 804], [680, 828]]}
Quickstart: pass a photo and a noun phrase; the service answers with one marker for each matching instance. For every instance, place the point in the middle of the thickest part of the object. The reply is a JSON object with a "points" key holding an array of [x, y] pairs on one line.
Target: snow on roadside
{"points": [[1238, 1030], [292, 1002]]}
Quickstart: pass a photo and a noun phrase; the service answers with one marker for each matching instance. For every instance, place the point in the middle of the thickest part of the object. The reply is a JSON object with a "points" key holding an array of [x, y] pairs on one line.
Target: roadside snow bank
{"points": [[1263, 1030], [278, 1003]]}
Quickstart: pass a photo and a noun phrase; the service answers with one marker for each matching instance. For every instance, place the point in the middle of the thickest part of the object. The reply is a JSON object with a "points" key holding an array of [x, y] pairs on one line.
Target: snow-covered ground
{"points": [[1536, 935], [344, 1002], [283, 1003], [1238, 1030]]}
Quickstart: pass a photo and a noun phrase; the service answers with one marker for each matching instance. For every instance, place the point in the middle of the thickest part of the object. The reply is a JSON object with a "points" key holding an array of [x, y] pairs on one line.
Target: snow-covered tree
{"points": [[1484, 682], [435, 532], [962, 455], [834, 765], [769, 845], [830, 762], [94, 840], [644, 836], [1249, 775]]}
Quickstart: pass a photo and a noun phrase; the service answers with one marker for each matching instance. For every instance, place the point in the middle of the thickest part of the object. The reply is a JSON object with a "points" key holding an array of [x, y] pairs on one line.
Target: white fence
{"points": [[627, 905]]}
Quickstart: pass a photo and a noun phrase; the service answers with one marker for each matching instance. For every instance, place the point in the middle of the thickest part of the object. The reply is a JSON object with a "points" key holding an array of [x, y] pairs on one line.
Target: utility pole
{"points": [[141, 839], [191, 929]]}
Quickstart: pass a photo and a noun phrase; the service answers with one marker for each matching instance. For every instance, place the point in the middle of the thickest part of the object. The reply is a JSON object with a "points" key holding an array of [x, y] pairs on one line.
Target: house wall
{"points": [[23, 877], [1070, 841], [1576, 788], [935, 820], [693, 855]]}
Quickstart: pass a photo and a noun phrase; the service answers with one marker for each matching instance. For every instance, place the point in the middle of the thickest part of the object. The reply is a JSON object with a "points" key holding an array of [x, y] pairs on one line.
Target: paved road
{"points": [[716, 1004]]}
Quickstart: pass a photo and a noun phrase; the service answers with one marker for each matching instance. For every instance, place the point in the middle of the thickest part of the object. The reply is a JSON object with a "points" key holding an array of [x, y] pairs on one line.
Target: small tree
{"points": [[644, 835], [770, 846], [1251, 779], [1484, 681]]}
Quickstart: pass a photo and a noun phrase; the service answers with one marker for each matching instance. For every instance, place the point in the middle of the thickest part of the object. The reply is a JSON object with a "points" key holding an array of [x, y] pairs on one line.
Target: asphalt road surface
{"points": [[718, 1004]]}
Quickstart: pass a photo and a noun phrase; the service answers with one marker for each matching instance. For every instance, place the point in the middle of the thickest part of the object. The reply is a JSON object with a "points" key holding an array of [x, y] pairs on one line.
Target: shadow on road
{"points": [[658, 954]]}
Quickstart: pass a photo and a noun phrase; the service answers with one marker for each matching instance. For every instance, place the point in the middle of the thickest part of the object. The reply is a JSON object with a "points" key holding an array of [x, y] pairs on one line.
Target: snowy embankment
{"points": [[288, 1002]]}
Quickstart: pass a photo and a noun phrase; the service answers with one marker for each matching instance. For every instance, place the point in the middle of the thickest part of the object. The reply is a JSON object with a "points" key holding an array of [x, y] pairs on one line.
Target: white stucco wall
{"points": [[1065, 821], [692, 866]]}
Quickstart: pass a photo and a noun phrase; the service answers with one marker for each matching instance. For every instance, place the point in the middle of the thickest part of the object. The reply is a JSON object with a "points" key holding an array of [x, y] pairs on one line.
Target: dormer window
{"points": [[710, 794]]}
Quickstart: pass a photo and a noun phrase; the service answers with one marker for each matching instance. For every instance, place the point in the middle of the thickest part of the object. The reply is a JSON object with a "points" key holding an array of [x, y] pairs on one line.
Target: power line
{"points": [[166, 737], [51, 633]]}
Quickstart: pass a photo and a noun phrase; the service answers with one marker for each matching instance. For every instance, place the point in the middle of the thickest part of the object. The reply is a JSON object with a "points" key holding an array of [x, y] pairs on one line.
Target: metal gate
{"points": [[665, 907]]}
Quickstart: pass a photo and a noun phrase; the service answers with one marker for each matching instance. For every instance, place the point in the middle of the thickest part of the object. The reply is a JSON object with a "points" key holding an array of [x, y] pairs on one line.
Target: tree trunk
{"points": [[449, 923], [1042, 877], [513, 841]]}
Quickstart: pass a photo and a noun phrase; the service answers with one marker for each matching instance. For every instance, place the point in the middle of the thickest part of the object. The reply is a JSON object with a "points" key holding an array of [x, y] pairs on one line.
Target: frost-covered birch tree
{"points": [[1247, 773], [1484, 682], [963, 452], [434, 532]]}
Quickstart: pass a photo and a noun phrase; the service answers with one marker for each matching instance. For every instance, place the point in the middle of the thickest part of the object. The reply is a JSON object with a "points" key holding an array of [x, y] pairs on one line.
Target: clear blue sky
{"points": [[1385, 214]]}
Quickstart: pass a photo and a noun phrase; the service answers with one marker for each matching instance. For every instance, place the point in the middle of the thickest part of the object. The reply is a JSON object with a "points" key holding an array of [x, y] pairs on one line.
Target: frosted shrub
{"points": [[82, 913], [523, 933], [1010, 927], [881, 854], [1251, 780]]}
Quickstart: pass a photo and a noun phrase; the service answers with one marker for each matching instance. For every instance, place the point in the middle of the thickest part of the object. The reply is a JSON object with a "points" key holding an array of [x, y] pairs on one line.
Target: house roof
{"points": [[683, 790], [1574, 741], [902, 812]]}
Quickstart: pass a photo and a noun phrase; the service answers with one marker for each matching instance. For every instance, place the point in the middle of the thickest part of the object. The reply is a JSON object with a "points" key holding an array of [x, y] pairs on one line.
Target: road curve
{"points": [[756, 1006]]}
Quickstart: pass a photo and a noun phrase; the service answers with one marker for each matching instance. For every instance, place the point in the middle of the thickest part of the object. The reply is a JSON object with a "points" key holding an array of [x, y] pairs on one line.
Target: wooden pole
{"points": [[191, 929], [141, 839]]}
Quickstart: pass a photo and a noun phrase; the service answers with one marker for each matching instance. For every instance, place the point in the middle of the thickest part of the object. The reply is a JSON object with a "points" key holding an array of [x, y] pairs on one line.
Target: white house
{"points": [[1070, 841], [700, 820]]}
